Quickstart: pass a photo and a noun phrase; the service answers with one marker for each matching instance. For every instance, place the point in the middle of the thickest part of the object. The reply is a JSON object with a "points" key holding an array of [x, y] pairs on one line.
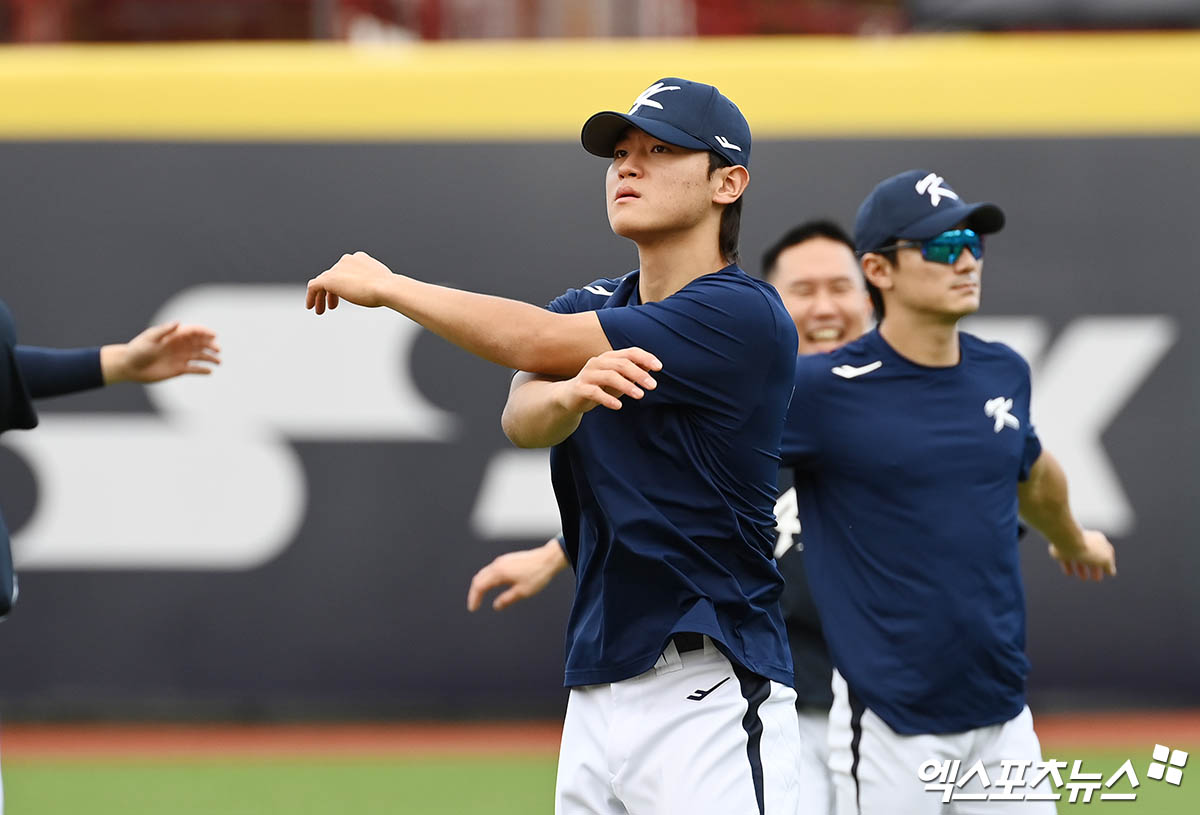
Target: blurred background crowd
{"points": [[173, 20]]}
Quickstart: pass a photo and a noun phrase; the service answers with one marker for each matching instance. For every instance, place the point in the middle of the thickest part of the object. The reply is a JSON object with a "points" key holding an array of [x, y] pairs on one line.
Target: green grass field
{"points": [[293, 786], [412, 786]]}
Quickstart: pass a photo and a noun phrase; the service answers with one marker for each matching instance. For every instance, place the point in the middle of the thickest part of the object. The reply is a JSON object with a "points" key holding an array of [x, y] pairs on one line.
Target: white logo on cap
{"points": [[644, 97], [727, 144], [931, 185]]}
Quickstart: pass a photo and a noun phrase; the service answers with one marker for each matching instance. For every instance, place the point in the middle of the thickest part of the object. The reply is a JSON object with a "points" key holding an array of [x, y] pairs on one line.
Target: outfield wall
{"points": [[295, 535]]}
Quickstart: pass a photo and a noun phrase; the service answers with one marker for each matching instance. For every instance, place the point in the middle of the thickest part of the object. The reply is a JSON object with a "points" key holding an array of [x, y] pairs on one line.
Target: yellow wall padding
{"points": [[788, 87]]}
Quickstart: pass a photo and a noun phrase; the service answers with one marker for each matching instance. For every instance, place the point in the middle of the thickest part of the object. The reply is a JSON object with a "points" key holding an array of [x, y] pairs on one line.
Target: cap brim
{"points": [[602, 131], [983, 218]]}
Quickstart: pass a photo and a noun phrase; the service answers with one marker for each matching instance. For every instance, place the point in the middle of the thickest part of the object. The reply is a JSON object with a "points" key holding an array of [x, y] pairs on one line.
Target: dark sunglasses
{"points": [[946, 247]]}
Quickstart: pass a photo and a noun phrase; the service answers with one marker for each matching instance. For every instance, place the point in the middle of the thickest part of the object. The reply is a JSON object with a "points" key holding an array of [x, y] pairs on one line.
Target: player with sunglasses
{"points": [[913, 452]]}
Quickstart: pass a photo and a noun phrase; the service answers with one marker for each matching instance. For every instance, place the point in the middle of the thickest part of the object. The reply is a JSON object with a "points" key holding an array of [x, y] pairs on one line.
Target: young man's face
{"points": [[823, 291], [949, 290], [654, 188]]}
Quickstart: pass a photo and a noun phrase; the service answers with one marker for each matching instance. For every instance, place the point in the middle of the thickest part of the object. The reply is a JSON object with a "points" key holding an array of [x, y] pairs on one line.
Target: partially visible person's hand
{"points": [[161, 352], [607, 377], [525, 573], [1094, 560]]}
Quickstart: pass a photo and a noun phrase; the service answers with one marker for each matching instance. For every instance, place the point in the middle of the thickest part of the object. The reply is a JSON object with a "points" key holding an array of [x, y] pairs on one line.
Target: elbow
{"points": [[544, 349], [523, 441], [526, 432], [513, 431], [525, 444]]}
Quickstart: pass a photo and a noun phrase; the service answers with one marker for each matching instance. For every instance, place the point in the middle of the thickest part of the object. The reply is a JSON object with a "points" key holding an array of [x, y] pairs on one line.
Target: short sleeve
{"points": [[566, 303], [801, 434], [718, 340], [1032, 448], [1032, 451]]}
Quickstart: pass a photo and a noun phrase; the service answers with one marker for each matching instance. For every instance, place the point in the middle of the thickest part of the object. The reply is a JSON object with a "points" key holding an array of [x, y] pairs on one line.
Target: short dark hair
{"points": [[817, 228], [731, 218], [891, 255]]}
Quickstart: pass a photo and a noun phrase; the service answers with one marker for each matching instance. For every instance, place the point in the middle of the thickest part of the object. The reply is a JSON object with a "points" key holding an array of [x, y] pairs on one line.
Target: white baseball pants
{"points": [[695, 735], [876, 770]]}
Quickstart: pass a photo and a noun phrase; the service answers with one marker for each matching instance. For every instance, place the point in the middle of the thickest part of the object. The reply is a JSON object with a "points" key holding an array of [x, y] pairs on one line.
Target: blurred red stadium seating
{"points": [[174, 20]]}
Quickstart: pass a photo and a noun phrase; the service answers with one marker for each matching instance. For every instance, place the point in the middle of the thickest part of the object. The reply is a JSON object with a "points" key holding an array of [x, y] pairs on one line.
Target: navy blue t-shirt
{"points": [[667, 503], [906, 480]]}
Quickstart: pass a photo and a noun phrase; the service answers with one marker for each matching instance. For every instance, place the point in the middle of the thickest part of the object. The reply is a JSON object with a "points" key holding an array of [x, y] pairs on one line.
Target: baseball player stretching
{"points": [[913, 450], [29, 372], [815, 271], [677, 658]]}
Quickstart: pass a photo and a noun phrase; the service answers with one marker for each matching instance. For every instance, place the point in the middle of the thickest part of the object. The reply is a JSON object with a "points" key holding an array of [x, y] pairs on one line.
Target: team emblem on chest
{"points": [[998, 409]]}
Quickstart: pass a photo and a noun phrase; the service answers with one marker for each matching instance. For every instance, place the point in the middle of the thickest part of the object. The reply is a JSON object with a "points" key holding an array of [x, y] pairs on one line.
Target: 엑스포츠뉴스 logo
{"points": [[1046, 780]]}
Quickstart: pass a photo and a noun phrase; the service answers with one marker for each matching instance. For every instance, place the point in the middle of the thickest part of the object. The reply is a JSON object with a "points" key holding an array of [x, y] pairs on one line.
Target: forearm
{"points": [[1045, 504], [534, 416], [58, 371], [508, 332]]}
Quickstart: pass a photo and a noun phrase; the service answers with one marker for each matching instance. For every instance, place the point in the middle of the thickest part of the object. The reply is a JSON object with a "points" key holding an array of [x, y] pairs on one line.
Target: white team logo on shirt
{"points": [[931, 185], [998, 409], [850, 372], [645, 100], [787, 523]]}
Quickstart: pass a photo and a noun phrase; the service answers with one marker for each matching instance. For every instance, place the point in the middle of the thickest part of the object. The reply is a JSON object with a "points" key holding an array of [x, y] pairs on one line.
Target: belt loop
{"points": [[669, 661]]}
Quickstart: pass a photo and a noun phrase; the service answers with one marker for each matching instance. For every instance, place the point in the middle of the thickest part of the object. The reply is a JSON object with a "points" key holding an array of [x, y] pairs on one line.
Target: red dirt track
{"points": [[329, 741], [21, 741]]}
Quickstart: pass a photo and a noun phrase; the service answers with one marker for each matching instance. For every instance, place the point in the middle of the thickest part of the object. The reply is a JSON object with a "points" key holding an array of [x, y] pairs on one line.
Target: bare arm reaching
{"points": [[524, 572], [1044, 503], [510, 333]]}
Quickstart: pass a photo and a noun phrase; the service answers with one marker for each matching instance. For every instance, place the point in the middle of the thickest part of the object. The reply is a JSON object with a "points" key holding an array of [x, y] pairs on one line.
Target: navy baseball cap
{"points": [[687, 114], [917, 205]]}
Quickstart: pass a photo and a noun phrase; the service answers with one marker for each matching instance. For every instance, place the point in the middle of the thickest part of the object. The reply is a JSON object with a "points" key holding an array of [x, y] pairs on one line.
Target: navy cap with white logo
{"points": [[917, 205], [680, 112]]}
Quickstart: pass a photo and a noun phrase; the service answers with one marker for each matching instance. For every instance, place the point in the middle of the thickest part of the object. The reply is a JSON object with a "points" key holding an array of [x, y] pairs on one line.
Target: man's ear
{"points": [[878, 271], [734, 181]]}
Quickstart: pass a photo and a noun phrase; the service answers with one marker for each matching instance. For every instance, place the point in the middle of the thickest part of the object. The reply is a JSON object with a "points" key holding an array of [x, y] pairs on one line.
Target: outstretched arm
{"points": [[507, 332], [542, 411], [158, 353], [1044, 504], [525, 573]]}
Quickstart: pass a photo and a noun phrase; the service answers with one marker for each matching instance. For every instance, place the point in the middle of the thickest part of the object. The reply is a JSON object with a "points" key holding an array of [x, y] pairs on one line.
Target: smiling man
{"points": [[814, 268], [677, 657]]}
